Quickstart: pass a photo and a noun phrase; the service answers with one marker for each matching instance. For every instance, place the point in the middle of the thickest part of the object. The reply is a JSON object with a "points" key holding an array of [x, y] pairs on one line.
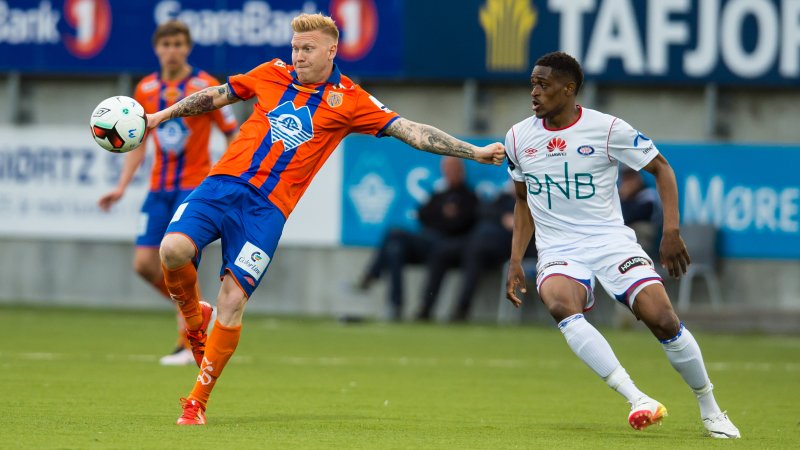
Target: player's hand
{"points": [[493, 153], [516, 281], [154, 120], [107, 201], [673, 253]]}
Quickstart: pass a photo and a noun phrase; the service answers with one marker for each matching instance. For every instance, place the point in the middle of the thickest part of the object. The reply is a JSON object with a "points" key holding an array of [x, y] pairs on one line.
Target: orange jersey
{"points": [[294, 129], [182, 158]]}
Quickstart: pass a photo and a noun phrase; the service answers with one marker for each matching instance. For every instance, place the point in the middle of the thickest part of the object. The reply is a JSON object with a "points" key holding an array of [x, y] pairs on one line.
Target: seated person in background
{"points": [[641, 209], [486, 247], [446, 218]]}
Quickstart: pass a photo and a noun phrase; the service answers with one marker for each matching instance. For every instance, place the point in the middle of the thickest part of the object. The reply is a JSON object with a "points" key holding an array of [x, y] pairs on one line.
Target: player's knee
{"points": [[664, 324], [176, 251], [561, 310]]}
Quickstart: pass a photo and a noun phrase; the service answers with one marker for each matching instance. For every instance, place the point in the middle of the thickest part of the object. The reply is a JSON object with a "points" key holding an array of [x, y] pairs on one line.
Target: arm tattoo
{"points": [[223, 90], [429, 139], [197, 103]]}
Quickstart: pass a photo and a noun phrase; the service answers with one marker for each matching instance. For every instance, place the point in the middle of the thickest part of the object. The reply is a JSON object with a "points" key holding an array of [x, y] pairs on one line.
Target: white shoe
{"points": [[182, 357], [720, 426], [645, 412]]}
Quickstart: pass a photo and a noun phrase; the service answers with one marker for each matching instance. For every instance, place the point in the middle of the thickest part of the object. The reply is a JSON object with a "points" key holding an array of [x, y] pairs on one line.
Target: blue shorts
{"points": [[157, 210], [250, 227]]}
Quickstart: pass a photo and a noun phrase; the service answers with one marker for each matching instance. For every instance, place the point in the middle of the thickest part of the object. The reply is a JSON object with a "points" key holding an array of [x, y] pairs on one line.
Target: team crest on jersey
{"points": [[335, 99], [585, 150], [291, 125]]}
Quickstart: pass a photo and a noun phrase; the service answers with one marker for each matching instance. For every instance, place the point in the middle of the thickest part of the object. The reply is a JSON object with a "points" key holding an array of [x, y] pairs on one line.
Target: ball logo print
{"points": [[91, 22], [358, 21], [118, 124]]}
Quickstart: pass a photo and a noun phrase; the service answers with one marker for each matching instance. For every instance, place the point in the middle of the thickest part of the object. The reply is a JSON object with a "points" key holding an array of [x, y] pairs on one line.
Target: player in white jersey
{"points": [[564, 162]]}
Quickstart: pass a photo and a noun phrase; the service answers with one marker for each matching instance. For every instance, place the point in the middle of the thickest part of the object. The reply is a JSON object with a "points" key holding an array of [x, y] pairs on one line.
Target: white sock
{"points": [[620, 381], [684, 355], [593, 349]]}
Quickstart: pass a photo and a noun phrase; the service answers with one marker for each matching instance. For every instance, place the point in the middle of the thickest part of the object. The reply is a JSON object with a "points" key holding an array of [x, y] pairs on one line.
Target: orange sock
{"points": [[182, 285], [219, 348], [161, 286]]}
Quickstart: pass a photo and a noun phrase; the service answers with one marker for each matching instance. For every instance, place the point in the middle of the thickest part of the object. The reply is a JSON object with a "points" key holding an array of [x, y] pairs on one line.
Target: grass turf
{"points": [[90, 379]]}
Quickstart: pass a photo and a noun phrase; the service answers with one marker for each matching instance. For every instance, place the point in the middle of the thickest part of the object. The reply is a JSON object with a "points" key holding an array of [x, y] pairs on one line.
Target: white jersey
{"points": [[571, 175]]}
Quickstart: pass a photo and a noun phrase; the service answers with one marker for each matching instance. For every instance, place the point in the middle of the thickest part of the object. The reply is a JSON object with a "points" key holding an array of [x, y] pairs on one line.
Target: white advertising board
{"points": [[52, 177]]}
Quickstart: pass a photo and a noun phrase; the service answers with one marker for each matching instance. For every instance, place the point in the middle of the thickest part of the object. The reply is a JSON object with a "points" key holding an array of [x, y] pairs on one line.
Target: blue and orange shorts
{"points": [[249, 225]]}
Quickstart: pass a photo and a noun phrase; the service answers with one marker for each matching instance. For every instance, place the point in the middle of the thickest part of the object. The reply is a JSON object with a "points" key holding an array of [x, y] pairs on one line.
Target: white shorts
{"points": [[623, 269]]}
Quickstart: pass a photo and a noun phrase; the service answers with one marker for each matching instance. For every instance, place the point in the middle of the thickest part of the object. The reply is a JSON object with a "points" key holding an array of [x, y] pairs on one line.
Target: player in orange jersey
{"points": [[182, 157], [303, 111]]}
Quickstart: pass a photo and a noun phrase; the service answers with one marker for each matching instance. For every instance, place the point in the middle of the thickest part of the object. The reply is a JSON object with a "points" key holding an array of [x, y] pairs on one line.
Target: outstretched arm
{"points": [[198, 103], [673, 253], [433, 140], [520, 239]]}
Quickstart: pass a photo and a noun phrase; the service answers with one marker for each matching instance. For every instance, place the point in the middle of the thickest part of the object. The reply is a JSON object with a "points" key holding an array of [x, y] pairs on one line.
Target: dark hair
{"points": [[564, 64], [172, 28]]}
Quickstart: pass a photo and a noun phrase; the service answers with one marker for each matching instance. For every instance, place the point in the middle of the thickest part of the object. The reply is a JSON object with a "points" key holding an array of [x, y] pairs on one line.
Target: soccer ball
{"points": [[118, 124]]}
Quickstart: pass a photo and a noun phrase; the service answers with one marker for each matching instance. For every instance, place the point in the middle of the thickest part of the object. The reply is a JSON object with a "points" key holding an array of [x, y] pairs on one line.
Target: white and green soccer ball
{"points": [[118, 124]]}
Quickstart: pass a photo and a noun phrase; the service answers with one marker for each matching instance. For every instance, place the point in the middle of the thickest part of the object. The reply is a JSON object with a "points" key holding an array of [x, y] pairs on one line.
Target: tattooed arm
{"points": [[433, 140], [200, 102]]}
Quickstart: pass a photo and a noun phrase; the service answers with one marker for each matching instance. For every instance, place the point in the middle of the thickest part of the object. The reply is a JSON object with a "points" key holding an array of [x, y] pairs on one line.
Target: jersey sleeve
{"points": [[370, 115], [244, 85], [629, 146], [511, 157]]}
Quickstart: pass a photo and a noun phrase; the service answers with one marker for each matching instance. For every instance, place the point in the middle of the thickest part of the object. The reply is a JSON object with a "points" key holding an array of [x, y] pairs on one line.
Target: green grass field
{"points": [[90, 379]]}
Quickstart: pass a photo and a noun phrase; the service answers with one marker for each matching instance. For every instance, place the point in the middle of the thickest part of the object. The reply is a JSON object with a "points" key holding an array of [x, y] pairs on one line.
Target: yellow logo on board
{"points": [[508, 25]]}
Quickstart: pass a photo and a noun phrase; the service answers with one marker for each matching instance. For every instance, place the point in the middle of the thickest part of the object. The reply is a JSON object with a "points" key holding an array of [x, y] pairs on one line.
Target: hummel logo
{"points": [[205, 378], [176, 299]]}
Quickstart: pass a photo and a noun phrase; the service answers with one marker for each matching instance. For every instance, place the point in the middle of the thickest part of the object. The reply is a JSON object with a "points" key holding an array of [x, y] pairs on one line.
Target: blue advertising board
{"points": [[385, 182], [631, 41], [751, 193], [230, 36], [725, 41]]}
